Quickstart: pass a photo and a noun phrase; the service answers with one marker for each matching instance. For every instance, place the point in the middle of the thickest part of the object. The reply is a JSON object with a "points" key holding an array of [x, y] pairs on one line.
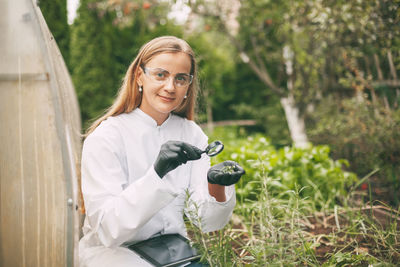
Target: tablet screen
{"points": [[166, 250]]}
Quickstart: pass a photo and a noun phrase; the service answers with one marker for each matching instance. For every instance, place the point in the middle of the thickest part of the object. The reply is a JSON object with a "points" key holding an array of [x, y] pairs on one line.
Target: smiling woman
{"points": [[161, 94], [144, 155]]}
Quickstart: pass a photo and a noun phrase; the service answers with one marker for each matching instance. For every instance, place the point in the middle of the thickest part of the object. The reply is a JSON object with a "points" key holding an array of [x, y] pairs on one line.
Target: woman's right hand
{"points": [[174, 153]]}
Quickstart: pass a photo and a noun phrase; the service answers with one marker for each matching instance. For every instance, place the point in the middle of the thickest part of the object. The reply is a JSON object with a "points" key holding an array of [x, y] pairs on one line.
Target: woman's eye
{"points": [[181, 78], [160, 74]]}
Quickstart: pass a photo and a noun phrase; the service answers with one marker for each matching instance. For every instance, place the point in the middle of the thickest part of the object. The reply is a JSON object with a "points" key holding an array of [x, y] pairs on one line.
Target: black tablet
{"points": [[166, 250]]}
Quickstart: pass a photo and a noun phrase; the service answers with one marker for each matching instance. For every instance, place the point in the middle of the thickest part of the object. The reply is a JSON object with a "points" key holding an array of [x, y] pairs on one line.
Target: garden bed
{"points": [[299, 207]]}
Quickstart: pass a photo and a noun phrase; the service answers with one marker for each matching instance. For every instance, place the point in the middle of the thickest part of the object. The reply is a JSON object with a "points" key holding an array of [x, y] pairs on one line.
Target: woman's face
{"points": [[161, 79]]}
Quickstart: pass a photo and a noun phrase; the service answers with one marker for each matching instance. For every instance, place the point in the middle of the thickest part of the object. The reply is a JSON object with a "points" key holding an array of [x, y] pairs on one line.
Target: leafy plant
{"points": [[322, 178]]}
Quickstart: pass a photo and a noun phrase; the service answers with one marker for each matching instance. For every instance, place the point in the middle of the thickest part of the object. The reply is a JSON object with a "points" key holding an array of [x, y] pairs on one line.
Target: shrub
{"points": [[365, 133]]}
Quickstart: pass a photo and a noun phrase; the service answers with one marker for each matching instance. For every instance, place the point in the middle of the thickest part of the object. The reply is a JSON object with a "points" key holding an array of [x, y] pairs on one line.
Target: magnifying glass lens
{"points": [[214, 148]]}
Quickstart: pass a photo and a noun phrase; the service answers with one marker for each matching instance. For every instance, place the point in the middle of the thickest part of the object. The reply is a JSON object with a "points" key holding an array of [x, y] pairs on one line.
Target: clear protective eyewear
{"points": [[162, 76]]}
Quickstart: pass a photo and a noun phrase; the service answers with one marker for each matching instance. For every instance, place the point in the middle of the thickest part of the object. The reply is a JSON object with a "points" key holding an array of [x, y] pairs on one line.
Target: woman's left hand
{"points": [[225, 173]]}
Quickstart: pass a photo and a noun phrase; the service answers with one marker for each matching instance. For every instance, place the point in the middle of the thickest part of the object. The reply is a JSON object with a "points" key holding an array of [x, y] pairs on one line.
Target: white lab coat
{"points": [[126, 201]]}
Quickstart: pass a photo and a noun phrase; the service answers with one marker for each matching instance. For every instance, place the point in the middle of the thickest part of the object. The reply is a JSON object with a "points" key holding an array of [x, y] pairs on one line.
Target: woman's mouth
{"points": [[167, 99]]}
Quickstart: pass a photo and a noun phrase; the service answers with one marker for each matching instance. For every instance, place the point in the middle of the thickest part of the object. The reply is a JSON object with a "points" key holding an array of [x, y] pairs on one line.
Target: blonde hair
{"points": [[129, 97]]}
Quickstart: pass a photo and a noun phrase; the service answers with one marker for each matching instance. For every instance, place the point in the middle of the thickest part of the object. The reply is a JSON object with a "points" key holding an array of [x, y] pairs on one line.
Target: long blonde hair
{"points": [[129, 96]]}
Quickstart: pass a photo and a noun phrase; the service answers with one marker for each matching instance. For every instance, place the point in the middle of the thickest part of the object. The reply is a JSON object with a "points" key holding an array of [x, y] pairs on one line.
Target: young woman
{"points": [[144, 154]]}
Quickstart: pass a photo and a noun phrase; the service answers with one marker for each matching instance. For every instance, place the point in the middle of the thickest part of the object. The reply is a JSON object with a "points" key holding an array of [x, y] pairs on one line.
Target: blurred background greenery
{"points": [[317, 71]]}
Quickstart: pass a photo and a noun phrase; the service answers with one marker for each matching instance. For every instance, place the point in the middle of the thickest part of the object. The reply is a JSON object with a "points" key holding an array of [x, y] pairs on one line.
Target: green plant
{"points": [[275, 231], [322, 178], [215, 247]]}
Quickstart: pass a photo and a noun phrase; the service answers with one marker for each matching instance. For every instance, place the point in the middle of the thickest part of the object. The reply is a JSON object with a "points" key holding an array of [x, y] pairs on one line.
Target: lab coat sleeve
{"points": [[116, 210], [203, 209]]}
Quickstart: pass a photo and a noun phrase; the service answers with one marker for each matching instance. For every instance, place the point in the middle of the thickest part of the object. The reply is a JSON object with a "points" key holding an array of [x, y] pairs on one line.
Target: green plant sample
{"points": [[228, 169]]}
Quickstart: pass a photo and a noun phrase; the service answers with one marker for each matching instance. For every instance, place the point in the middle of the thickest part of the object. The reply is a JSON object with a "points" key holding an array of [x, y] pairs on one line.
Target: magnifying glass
{"points": [[214, 148]]}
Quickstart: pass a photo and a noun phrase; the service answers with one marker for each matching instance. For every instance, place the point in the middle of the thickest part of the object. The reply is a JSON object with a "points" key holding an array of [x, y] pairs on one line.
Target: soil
{"points": [[382, 209], [381, 216]]}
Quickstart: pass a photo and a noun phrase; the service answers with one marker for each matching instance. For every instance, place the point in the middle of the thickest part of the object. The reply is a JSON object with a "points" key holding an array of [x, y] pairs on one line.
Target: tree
{"points": [[296, 48], [55, 14], [214, 64], [93, 73], [250, 45]]}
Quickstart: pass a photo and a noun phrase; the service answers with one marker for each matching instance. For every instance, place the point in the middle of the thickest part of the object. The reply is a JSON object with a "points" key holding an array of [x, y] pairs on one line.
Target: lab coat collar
{"points": [[147, 119]]}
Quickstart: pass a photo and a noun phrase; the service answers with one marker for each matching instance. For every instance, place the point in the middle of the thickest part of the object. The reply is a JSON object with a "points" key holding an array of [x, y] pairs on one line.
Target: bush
{"points": [[310, 169], [366, 134]]}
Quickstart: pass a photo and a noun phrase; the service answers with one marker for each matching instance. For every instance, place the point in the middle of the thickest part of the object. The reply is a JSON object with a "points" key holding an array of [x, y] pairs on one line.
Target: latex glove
{"points": [[225, 173], [174, 153]]}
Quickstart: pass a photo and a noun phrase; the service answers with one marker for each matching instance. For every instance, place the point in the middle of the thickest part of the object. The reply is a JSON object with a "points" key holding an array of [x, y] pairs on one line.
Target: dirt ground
{"points": [[380, 216], [377, 202]]}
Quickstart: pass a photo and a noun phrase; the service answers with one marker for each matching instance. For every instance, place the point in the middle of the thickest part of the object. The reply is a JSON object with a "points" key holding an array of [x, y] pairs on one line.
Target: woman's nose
{"points": [[170, 84]]}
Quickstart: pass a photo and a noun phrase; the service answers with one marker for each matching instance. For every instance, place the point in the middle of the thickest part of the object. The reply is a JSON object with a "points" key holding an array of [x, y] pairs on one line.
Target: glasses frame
{"points": [[146, 71]]}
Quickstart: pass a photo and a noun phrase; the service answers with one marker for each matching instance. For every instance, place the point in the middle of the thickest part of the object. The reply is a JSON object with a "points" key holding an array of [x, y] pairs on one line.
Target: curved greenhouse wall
{"points": [[39, 144]]}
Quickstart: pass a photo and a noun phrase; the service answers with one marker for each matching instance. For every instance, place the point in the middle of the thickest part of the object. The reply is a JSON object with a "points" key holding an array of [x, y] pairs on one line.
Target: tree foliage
{"points": [[92, 59], [55, 14], [320, 34]]}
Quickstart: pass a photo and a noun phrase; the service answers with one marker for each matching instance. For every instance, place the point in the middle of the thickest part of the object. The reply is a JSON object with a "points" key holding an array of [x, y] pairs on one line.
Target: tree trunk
{"points": [[295, 122], [210, 123]]}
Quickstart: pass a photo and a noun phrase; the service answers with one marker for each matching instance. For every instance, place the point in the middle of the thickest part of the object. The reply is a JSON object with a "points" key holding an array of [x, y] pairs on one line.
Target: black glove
{"points": [[174, 153], [225, 173]]}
